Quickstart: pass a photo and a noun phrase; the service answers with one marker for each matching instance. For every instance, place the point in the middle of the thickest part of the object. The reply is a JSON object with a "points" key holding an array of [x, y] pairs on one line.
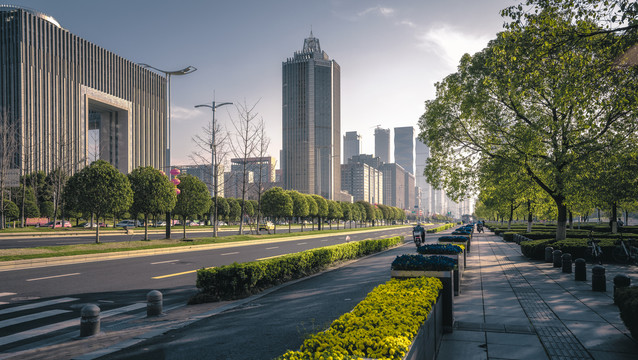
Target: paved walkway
{"points": [[515, 308]]}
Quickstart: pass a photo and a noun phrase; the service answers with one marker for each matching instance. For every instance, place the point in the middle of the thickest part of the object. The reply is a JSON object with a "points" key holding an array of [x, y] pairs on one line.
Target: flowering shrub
{"points": [[381, 326], [241, 280], [453, 238], [420, 262], [447, 249]]}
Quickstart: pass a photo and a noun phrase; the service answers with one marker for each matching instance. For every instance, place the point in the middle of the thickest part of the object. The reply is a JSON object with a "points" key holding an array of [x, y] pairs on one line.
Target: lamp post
{"points": [[213, 148], [167, 137]]}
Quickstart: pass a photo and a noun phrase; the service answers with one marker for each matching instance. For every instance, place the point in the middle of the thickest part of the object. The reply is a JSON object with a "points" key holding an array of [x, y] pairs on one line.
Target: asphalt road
{"points": [[120, 283]]}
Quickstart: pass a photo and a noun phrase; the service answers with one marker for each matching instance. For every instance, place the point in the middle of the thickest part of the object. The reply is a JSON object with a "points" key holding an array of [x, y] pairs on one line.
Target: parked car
{"points": [[192, 223], [58, 224], [94, 225], [160, 223], [128, 223], [267, 226]]}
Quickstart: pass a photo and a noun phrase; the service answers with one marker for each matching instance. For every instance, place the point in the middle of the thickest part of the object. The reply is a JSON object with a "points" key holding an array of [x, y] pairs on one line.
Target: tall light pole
{"points": [[213, 148], [167, 137]]}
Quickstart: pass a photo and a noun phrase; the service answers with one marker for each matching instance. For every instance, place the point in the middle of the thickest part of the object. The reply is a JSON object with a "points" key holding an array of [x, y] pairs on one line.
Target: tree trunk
{"points": [[146, 227], [561, 223], [614, 215], [290, 225], [509, 223], [184, 226], [529, 216], [97, 232], [571, 220]]}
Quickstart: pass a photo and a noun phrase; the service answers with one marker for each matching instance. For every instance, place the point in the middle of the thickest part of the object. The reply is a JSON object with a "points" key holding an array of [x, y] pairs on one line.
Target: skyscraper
{"points": [[351, 145], [382, 144], [311, 122], [404, 147]]}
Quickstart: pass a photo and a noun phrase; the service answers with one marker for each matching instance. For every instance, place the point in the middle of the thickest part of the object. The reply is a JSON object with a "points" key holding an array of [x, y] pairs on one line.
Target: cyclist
{"points": [[418, 232]]}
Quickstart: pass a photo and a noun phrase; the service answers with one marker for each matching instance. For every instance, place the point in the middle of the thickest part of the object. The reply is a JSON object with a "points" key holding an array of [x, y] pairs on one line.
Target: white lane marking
{"points": [[36, 305], [30, 317], [324, 240], [6, 294], [3, 303], [302, 243], [163, 262], [53, 277], [274, 247], [230, 253], [63, 325]]}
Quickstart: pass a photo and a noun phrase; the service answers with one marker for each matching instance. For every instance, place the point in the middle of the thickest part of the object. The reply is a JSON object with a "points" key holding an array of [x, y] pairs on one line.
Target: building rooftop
{"points": [[51, 19]]}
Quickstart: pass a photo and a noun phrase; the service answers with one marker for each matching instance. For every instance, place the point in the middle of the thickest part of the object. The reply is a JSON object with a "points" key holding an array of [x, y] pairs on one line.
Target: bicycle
{"points": [[594, 252], [625, 252]]}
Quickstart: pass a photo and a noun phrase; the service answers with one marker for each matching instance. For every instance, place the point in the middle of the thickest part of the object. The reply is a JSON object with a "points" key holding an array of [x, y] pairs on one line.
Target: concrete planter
{"points": [[458, 271], [446, 296], [427, 340]]}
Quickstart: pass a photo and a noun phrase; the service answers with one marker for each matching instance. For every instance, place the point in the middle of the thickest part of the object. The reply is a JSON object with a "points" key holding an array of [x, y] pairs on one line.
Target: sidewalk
{"points": [[515, 308]]}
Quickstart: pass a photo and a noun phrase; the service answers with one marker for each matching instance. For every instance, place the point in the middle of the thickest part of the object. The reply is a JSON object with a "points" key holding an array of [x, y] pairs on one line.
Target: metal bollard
{"points": [[580, 269], [154, 303], [557, 258], [90, 321], [598, 279], [620, 281], [549, 254], [567, 263]]}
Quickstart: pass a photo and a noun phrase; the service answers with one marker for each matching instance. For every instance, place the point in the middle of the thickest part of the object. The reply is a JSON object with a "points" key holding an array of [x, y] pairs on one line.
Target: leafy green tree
{"points": [[276, 203], [334, 212], [313, 208], [535, 102], [153, 193], [300, 208], [346, 213], [99, 189], [223, 208], [322, 210], [234, 209], [10, 210], [193, 199], [368, 213], [30, 207], [46, 209]]}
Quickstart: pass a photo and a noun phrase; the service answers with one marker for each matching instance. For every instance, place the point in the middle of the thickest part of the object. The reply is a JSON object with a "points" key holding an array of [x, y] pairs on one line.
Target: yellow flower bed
{"points": [[381, 326]]}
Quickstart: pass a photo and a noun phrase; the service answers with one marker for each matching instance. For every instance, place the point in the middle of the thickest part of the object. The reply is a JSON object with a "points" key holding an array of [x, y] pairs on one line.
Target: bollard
{"points": [[580, 269], [557, 258], [549, 254], [154, 303], [567, 263], [620, 281], [90, 321], [598, 279]]}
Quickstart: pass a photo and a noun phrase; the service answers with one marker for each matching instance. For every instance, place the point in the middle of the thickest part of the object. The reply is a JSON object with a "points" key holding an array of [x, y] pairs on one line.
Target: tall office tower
{"points": [[351, 145], [382, 144], [70, 101], [404, 147], [311, 122], [422, 154]]}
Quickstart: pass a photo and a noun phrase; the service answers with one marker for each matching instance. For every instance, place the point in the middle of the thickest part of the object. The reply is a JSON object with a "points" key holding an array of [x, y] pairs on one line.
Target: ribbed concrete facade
{"points": [[311, 122], [58, 87]]}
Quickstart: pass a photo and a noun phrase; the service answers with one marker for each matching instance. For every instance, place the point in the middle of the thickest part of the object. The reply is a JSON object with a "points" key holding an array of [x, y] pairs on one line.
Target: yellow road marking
{"points": [[176, 274], [270, 257]]}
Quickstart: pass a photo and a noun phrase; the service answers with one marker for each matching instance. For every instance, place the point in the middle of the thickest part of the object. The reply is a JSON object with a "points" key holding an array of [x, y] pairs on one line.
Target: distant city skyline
{"points": [[391, 53]]}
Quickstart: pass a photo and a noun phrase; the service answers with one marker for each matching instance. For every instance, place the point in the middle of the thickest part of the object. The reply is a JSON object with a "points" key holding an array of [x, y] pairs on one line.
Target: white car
{"points": [[128, 223]]}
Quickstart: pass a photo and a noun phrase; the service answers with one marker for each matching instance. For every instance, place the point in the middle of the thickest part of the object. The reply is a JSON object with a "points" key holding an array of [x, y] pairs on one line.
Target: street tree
{"points": [[193, 198], [313, 209], [276, 203], [322, 210], [8, 166], [300, 208], [223, 209], [346, 213], [534, 102], [334, 212], [234, 209], [153, 193], [99, 189]]}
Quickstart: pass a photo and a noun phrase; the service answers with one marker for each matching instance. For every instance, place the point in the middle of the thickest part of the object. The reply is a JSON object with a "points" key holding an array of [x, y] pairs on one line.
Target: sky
{"points": [[391, 53]]}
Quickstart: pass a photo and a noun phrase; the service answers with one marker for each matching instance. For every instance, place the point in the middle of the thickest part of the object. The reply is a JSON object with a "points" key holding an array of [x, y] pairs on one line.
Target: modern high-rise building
{"points": [[362, 181], [351, 145], [404, 147], [394, 177], [70, 101], [422, 155], [311, 122], [382, 144]]}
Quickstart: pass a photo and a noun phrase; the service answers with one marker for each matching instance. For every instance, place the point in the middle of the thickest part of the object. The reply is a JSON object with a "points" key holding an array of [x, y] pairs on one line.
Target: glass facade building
{"points": [[351, 145], [70, 101], [382, 144], [404, 147], [311, 122]]}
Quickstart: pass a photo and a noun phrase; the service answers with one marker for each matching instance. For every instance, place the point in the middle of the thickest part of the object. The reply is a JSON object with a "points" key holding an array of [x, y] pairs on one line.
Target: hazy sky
{"points": [[391, 53]]}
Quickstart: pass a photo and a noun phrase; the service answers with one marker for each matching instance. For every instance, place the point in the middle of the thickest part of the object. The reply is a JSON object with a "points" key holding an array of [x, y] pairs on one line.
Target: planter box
{"points": [[427, 341], [464, 243], [447, 294], [458, 271]]}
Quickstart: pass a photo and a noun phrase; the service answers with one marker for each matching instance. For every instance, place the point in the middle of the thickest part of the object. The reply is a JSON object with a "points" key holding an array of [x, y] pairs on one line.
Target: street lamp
{"points": [[167, 135], [213, 148]]}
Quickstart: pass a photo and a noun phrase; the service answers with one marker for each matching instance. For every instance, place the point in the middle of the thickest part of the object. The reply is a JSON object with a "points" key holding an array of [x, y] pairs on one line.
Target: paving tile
{"points": [[510, 320], [467, 350], [602, 337], [512, 339], [509, 311], [513, 351], [465, 335]]}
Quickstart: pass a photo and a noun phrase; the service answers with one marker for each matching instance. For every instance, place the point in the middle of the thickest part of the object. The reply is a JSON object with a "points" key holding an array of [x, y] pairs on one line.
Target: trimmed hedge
{"points": [[440, 228], [576, 247], [426, 263], [627, 300], [241, 280], [454, 238], [381, 326], [440, 249]]}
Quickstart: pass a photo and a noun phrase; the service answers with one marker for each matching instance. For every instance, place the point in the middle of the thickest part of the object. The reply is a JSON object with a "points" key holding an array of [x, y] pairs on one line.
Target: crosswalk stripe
{"points": [[31, 317], [36, 305], [63, 325]]}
